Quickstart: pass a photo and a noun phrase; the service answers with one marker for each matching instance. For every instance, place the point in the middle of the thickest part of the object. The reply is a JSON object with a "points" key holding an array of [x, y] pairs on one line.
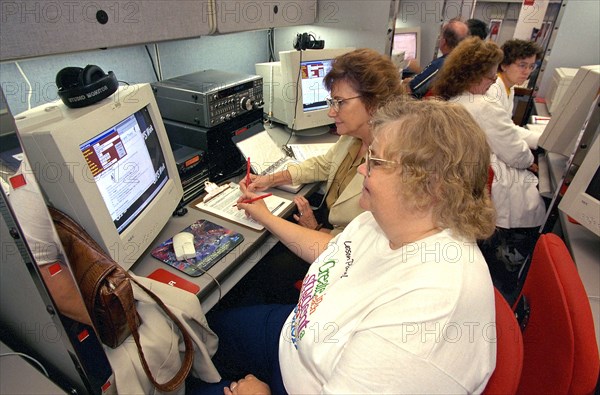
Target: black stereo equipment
{"points": [[222, 157], [208, 98], [192, 169]]}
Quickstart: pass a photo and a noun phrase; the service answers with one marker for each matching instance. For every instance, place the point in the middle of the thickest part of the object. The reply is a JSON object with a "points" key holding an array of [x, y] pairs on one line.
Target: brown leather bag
{"points": [[108, 295]]}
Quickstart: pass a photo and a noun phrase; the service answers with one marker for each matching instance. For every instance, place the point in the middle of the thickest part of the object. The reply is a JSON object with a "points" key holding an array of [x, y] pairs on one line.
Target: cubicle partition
{"points": [[41, 310]]}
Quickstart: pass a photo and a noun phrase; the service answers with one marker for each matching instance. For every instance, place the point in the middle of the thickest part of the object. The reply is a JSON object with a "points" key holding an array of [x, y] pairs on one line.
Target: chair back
{"points": [[509, 351], [560, 349]]}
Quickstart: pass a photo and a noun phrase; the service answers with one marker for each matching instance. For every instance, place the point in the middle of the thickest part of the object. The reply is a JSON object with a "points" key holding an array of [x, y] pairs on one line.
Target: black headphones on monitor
{"points": [[80, 87]]}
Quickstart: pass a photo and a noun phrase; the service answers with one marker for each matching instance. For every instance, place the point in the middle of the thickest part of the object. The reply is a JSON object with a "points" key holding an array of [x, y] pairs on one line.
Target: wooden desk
{"points": [[235, 265]]}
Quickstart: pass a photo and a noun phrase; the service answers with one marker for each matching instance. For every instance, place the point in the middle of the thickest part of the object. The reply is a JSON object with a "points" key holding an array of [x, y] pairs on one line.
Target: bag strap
{"points": [[188, 360], [97, 272]]}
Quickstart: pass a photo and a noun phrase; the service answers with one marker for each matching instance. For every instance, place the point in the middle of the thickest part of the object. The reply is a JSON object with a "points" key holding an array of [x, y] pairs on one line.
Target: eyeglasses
{"points": [[337, 103], [376, 162], [525, 66]]}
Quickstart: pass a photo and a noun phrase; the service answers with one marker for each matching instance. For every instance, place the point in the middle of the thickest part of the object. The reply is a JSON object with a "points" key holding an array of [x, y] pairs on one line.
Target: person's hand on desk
{"points": [[306, 242], [257, 209], [257, 183], [263, 182], [305, 216]]}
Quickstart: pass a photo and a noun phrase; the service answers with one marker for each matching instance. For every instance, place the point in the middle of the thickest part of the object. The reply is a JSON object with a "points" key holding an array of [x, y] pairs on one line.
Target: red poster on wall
{"points": [[528, 2]]}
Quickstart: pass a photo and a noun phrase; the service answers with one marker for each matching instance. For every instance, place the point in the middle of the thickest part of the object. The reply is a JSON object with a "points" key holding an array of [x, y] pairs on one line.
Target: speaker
{"points": [[307, 41], [81, 87]]}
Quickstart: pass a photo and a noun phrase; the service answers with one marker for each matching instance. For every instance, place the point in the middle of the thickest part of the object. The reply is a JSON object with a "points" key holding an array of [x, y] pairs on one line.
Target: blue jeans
{"points": [[248, 343]]}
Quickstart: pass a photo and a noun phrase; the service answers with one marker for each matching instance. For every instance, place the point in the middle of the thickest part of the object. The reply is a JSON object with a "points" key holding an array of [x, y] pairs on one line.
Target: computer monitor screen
{"points": [[582, 199], [109, 166], [577, 105], [123, 151], [293, 88], [313, 91], [408, 40]]}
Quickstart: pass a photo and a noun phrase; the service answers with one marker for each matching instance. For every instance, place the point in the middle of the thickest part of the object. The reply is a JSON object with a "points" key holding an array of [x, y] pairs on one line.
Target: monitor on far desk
{"points": [[408, 40]]}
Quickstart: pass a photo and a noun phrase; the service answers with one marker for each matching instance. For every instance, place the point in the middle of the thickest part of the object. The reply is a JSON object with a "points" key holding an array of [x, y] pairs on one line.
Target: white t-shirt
{"points": [[419, 319]]}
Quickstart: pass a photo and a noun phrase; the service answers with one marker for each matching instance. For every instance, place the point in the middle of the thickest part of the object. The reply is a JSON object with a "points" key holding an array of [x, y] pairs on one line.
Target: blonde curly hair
{"points": [[443, 159], [466, 65]]}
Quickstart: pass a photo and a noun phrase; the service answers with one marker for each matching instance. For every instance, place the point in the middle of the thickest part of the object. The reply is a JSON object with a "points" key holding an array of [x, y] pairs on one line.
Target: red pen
{"points": [[248, 172], [266, 195]]}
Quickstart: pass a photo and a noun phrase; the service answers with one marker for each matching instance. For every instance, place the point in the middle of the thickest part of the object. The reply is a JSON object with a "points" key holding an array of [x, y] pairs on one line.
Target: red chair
{"points": [[560, 349], [509, 351]]}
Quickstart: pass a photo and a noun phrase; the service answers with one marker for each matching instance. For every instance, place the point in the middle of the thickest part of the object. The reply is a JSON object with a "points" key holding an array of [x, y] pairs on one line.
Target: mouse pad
{"points": [[212, 242]]}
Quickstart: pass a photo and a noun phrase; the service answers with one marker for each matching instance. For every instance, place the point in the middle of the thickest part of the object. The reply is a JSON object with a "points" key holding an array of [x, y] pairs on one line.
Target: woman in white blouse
{"points": [[519, 62], [467, 77]]}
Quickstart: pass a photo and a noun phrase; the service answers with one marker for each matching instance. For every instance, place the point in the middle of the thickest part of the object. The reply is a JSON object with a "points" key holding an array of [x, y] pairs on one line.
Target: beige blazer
{"points": [[324, 168]]}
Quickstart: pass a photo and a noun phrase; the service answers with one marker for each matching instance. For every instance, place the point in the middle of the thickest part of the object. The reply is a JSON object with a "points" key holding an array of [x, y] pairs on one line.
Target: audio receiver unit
{"points": [[208, 98]]}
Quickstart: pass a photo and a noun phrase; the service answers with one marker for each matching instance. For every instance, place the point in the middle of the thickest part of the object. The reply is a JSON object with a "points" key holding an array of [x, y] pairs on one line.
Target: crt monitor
{"points": [[293, 88], [576, 106], [109, 166], [582, 199], [408, 40]]}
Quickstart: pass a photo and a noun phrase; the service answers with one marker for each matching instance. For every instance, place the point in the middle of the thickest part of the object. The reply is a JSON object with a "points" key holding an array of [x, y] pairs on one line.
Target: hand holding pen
{"points": [[254, 199]]}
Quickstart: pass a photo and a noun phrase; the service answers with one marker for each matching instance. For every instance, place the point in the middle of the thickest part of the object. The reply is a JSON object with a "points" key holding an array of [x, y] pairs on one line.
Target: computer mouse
{"points": [[183, 245]]}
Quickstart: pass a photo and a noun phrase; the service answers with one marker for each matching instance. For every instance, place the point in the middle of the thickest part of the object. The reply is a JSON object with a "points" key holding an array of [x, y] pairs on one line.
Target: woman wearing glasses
{"points": [[466, 78], [519, 62], [359, 82], [401, 301]]}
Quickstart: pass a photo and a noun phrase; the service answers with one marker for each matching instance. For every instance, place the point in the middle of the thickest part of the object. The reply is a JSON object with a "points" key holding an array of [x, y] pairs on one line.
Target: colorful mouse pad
{"points": [[212, 242]]}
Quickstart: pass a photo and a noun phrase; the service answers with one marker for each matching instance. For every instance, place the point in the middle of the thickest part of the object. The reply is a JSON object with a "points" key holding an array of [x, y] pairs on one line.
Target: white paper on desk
{"points": [[262, 151], [223, 205], [303, 152], [265, 156]]}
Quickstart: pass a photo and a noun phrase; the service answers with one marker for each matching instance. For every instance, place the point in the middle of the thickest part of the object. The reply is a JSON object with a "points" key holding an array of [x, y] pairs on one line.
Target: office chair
{"points": [[509, 351], [560, 349]]}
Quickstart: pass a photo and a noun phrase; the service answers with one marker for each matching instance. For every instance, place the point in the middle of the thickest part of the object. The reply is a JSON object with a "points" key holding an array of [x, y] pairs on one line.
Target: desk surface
{"points": [[231, 268]]}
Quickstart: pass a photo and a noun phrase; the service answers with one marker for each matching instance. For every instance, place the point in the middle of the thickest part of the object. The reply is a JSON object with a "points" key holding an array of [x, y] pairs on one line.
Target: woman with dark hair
{"points": [[520, 60]]}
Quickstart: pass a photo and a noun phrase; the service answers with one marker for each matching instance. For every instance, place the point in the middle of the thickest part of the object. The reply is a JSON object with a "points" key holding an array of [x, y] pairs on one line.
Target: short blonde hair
{"points": [[443, 159]]}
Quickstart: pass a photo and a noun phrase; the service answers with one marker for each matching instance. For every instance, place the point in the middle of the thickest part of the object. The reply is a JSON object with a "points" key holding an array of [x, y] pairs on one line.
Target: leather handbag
{"points": [[108, 296]]}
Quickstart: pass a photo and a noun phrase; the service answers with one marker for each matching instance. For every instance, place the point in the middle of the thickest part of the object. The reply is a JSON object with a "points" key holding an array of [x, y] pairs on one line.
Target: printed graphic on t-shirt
{"points": [[313, 292]]}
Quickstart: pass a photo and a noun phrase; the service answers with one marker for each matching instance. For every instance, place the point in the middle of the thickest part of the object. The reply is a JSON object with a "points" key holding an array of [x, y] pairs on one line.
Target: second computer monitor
{"points": [[408, 40], [293, 88]]}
